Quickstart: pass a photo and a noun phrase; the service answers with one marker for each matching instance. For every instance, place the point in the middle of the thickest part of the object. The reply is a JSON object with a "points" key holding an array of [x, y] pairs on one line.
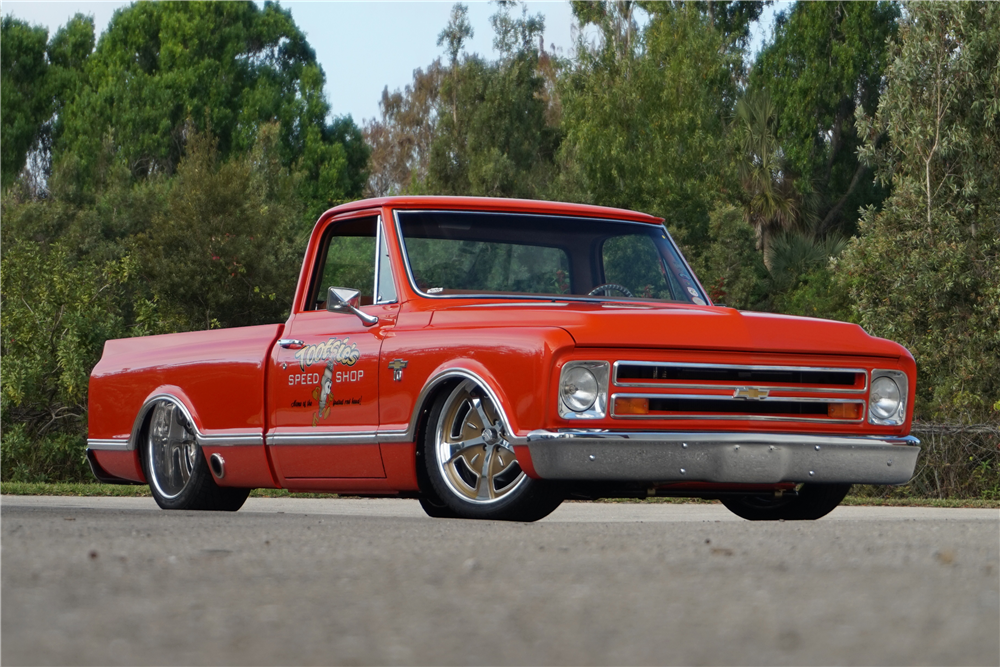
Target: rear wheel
{"points": [[471, 463], [812, 502], [175, 466]]}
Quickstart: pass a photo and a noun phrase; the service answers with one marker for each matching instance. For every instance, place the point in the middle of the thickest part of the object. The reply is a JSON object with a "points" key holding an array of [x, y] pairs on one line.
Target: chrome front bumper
{"points": [[736, 458]]}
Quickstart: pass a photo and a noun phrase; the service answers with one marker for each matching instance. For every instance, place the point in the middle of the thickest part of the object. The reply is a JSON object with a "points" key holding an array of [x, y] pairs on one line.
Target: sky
{"points": [[365, 46]]}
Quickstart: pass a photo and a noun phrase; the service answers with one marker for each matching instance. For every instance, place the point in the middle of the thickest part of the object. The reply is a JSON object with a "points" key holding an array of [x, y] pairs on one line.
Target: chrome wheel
{"points": [[173, 450], [474, 457], [175, 466]]}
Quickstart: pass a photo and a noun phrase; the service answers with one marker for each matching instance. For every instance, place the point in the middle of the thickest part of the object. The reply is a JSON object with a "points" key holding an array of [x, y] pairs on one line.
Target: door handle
{"points": [[291, 344]]}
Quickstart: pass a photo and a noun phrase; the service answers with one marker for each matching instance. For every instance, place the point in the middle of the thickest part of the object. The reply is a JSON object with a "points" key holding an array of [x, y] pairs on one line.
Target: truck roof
{"points": [[495, 204]]}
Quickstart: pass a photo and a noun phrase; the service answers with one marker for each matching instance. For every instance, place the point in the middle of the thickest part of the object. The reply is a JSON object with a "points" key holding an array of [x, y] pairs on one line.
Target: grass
{"points": [[66, 489], [122, 490]]}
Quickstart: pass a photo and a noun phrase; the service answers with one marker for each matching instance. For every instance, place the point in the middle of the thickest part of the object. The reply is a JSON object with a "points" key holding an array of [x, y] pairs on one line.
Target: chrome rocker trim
{"points": [[732, 458]]}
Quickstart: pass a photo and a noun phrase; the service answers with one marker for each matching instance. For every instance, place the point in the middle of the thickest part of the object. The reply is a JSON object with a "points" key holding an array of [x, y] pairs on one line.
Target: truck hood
{"points": [[669, 326]]}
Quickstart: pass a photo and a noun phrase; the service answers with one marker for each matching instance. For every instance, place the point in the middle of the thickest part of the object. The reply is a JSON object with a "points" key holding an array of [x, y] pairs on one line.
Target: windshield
{"points": [[451, 253]]}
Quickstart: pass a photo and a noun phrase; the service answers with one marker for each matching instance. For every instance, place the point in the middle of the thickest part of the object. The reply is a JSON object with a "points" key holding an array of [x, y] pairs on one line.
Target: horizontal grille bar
{"points": [[724, 407], [644, 373]]}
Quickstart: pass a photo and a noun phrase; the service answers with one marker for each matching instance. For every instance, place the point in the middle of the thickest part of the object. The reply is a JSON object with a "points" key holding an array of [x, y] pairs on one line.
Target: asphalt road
{"points": [[293, 581]]}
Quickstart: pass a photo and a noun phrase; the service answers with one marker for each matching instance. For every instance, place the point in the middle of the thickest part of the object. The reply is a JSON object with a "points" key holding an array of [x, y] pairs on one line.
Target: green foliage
{"points": [[58, 310], [162, 70], [643, 114], [222, 251], [492, 137], [25, 104], [926, 269], [52, 456], [37, 77], [826, 60], [731, 269], [769, 201]]}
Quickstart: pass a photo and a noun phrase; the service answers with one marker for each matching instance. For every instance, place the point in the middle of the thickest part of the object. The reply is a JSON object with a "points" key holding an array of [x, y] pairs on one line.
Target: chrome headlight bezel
{"points": [[897, 416], [601, 370]]}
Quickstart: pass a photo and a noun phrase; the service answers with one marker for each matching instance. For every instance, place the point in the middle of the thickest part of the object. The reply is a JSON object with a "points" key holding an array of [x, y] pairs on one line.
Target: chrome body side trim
{"points": [[737, 403], [323, 438], [735, 458], [250, 439], [684, 385], [105, 444], [394, 436]]}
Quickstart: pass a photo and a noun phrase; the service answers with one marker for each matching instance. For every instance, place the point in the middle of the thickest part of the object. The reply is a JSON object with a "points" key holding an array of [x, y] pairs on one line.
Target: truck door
{"points": [[323, 380]]}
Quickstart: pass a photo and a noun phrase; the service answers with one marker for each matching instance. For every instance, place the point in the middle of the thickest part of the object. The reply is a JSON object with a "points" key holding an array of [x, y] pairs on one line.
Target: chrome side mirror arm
{"points": [[345, 300]]}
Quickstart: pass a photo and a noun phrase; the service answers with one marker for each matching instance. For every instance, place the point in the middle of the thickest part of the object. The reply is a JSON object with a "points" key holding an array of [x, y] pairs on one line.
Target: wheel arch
{"points": [[441, 382], [140, 427]]}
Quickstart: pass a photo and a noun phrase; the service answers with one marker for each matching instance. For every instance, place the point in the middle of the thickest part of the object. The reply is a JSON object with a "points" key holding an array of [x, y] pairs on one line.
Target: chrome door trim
{"points": [[323, 438]]}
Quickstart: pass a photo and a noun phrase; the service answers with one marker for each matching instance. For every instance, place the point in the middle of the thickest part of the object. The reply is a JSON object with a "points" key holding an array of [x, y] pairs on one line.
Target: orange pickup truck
{"points": [[493, 357]]}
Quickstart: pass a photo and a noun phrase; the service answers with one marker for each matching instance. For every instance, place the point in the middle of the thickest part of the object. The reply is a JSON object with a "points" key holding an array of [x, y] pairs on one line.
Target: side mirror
{"points": [[346, 300]]}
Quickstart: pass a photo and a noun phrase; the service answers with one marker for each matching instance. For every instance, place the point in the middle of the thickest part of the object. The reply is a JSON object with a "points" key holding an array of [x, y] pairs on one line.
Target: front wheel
{"points": [[178, 474], [812, 502], [471, 463]]}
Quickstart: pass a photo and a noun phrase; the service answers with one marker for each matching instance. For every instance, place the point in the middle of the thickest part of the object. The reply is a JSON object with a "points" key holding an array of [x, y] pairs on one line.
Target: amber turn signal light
{"points": [[631, 406], [844, 410]]}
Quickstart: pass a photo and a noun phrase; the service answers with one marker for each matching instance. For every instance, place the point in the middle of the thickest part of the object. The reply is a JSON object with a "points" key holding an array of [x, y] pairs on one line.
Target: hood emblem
{"points": [[751, 393]]}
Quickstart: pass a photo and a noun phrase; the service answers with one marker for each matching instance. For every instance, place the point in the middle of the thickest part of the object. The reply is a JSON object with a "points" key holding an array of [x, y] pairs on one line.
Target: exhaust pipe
{"points": [[218, 466]]}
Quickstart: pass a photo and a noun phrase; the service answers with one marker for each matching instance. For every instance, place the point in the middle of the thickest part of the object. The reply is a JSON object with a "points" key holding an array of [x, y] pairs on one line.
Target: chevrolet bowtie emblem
{"points": [[751, 393], [397, 366]]}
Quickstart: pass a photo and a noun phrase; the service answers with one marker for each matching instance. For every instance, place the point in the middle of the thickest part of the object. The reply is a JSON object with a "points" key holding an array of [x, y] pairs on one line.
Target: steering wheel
{"points": [[603, 289]]}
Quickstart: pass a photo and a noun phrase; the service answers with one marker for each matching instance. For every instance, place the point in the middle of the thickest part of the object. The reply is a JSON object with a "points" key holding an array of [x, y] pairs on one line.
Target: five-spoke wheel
{"points": [[178, 474], [471, 463]]}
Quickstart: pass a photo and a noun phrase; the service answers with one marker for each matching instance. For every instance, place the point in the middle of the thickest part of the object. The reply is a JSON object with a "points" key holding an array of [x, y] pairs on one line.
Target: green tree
{"points": [[161, 69], [643, 114], [769, 202], [827, 59], [222, 251], [38, 76], [492, 136], [926, 269]]}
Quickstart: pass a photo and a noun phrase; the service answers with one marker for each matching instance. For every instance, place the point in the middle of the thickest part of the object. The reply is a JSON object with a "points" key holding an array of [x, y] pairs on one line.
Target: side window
{"points": [[386, 288], [346, 259], [634, 262]]}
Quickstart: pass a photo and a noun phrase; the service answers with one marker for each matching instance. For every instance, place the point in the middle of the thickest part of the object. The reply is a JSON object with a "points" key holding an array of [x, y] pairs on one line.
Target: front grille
{"points": [[677, 390], [652, 374]]}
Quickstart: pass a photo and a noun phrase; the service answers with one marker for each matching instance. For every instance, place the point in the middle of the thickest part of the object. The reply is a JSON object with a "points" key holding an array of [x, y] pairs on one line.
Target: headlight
{"points": [[578, 389], [887, 398], [583, 392]]}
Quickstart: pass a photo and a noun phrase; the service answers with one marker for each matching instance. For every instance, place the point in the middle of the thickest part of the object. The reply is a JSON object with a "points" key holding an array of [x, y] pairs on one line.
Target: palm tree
{"points": [[770, 204]]}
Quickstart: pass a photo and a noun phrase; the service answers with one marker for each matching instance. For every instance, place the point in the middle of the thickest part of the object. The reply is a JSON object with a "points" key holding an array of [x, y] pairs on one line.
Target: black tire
{"points": [[175, 466], [434, 507], [812, 502], [466, 424]]}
